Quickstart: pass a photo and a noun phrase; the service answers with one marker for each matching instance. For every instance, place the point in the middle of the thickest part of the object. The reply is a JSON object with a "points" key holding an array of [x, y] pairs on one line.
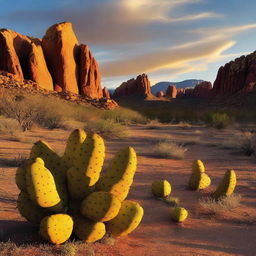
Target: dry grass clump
{"points": [[154, 124], [124, 116], [247, 144], [9, 249], [108, 128], [227, 203], [168, 149], [68, 249], [184, 125]]}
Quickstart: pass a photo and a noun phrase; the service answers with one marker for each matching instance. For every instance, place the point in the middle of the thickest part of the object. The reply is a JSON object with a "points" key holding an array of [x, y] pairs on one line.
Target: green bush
{"points": [[124, 116], [108, 128], [218, 120]]}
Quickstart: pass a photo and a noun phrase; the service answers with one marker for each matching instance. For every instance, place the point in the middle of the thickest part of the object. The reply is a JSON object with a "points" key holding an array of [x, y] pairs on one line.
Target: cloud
{"points": [[167, 58]]}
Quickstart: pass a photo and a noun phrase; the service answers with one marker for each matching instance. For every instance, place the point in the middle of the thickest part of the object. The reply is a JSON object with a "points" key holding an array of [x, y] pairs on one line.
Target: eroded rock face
{"points": [[60, 46], [105, 93], [237, 75], [160, 94], [203, 90], [139, 87], [38, 68], [89, 75], [171, 91]]}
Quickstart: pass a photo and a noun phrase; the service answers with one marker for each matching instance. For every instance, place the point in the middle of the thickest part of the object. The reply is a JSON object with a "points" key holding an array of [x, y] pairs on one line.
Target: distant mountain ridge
{"points": [[162, 86]]}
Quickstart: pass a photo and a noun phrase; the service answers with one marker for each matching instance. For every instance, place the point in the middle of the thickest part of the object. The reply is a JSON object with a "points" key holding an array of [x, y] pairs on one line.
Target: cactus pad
{"points": [[198, 166], [56, 228], [40, 185], [120, 173], [161, 188], [100, 206], [128, 218], [88, 230], [179, 214], [29, 210], [227, 185]]}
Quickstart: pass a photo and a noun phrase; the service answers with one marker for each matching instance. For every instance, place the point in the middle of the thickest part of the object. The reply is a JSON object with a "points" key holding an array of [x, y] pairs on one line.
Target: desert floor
{"points": [[227, 233]]}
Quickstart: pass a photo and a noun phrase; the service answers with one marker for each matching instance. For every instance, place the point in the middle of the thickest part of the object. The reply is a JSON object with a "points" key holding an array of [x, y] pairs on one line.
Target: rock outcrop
{"points": [[105, 93], [203, 90], [89, 75], [61, 50], [57, 62], [160, 94], [171, 91], [236, 76], [137, 87]]}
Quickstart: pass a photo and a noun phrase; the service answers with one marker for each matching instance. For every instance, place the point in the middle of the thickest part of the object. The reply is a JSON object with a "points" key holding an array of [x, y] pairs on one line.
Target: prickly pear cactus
{"points": [[227, 185], [100, 206], [87, 230], [161, 188], [128, 218], [66, 185], [199, 179], [120, 173], [56, 228], [179, 214]]}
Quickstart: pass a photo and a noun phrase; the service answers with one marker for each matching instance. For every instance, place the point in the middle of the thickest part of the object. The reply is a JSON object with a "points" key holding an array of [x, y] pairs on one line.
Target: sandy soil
{"points": [[228, 233]]}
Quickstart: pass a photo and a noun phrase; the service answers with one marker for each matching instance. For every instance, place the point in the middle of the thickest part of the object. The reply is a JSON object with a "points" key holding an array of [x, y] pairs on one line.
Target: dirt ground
{"points": [[228, 233]]}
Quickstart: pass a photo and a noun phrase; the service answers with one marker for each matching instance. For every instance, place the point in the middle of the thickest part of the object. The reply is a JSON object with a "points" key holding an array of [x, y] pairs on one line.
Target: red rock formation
{"points": [[237, 75], [89, 75], [139, 87], [37, 66], [60, 46], [160, 94], [171, 91], [203, 90], [105, 93], [180, 92]]}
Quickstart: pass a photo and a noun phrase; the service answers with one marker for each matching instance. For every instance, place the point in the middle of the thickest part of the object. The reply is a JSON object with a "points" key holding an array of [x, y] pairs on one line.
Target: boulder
{"points": [[89, 75], [105, 93], [61, 50], [160, 94], [171, 91], [138, 87]]}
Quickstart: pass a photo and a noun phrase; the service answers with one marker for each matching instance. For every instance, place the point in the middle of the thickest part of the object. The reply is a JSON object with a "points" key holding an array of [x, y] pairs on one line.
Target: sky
{"points": [[170, 40]]}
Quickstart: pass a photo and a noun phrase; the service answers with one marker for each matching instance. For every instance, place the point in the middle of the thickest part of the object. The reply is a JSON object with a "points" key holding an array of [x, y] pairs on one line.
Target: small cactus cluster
{"points": [[65, 194], [200, 180], [162, 189]]}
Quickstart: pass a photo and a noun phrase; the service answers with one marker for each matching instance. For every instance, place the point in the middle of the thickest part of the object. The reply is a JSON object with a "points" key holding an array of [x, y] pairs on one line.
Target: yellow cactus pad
{"points": [[227, 185], [198, 166], [88, 230], [128, 219], [73, 147], [100, 206], [40, 185], [56, 228], [199, 181], [29, 210], [179, 214], [86, 170], [161, 188], [120, 173]]}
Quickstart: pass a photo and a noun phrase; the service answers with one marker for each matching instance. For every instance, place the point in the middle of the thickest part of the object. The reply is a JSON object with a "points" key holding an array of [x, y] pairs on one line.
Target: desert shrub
{"points": [[20, 109], [227, 203], [168, 149], [184, 125], [153, 124], [108, 128], [247, 144], [13, 162], [68, 249], [124, 116], [218, 120], [71, 125], [9, 126]]}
